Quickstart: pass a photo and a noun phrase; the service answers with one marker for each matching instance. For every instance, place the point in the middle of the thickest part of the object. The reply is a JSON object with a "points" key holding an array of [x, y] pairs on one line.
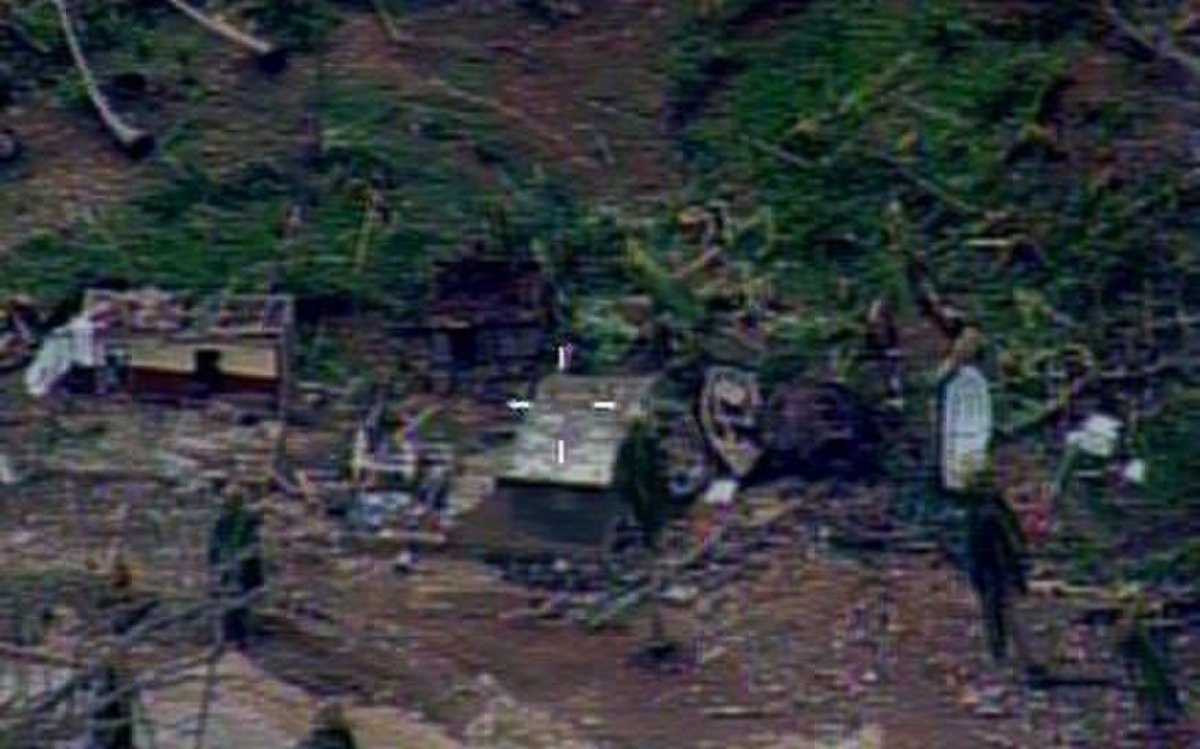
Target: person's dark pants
{"points": [[114, 737], [237, 620], [236, 627], [113, 727], [995, 610]]}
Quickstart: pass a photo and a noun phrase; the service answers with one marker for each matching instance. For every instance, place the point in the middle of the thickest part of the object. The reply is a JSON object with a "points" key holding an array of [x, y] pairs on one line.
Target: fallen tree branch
{"points": [[944, 316], [782, 154], [1052, 408], [1082, 383], [1161, 46], [137, 143], [270, 57], [23, 37], [440, 85], [390, 27], [927, 186]]}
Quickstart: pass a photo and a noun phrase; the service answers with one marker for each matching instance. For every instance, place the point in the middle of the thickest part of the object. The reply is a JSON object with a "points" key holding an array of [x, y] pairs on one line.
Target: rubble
{"points": [[8, 474]]}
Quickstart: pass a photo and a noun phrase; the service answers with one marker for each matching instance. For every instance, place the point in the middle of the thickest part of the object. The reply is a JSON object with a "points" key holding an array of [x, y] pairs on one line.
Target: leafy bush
{"points": [[297, 24], [1169, 443]]}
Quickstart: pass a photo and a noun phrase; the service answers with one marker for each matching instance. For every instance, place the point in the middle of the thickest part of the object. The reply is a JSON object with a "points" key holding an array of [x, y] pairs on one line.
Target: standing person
{"points": [[111, 719], [235, 559]]}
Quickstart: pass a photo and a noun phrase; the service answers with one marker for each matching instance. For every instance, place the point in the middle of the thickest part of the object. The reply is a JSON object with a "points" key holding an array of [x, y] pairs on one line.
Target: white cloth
{"points": [[1097, 437], [721, 493], [1135, 471], [52, 362]]}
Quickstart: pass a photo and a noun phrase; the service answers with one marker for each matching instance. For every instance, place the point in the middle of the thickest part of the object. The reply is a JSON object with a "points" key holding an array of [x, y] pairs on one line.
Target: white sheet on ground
{"points": [[53, 361]]}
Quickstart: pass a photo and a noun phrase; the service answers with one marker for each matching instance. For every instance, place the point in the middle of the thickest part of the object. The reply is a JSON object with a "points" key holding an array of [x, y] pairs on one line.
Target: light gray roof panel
{"points": [[564, 411]]}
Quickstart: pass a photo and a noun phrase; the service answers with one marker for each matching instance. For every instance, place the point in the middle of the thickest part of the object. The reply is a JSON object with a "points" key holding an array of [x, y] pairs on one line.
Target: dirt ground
{"points": [[809, 644]]}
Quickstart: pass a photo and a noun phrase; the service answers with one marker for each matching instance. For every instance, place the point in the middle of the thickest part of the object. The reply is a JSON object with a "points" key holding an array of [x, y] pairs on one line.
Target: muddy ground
{"points": [[808, 642]]}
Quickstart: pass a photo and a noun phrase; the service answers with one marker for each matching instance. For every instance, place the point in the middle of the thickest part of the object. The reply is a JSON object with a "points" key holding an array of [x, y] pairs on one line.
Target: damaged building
{"points": [[486, 332], [152, 345]]}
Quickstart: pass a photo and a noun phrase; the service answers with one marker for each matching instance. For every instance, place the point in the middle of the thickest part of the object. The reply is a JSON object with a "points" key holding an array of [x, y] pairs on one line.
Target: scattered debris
{"points": [[817, 429], [486, 332], [730, 404]]}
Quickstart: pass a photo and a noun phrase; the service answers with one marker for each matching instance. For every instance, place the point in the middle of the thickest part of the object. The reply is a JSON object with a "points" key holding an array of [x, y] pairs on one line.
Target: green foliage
{"points": [[698, 58], [672, 297], [603, 333], [297, 24], [791, 347], [1152, 671], [1169, 443], [200, 232], [871, 104], [1176, 566]]}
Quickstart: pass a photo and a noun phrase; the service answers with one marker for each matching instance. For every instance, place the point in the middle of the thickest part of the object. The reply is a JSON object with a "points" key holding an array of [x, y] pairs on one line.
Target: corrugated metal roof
{"points": [[565, 410], [153, 310]]}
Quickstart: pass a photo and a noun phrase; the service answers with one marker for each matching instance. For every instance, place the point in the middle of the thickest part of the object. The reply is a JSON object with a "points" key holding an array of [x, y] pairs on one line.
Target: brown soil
{"points": [[569, 91], [800, 634]]}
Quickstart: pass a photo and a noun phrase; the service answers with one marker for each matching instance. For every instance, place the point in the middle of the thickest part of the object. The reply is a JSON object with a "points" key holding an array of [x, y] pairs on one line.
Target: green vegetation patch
{"points": [[202, 231], [848, 108]]}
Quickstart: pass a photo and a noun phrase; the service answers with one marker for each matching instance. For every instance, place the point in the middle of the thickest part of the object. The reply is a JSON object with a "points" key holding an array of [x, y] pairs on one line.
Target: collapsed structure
{"points": [[486, 332], [151, 344]]}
